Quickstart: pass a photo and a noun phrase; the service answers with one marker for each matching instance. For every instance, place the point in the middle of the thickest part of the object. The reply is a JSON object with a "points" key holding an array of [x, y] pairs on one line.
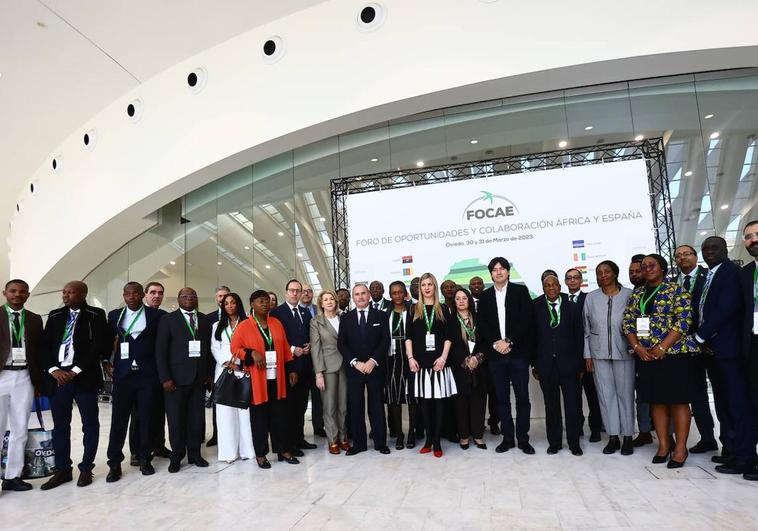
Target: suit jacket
{"points": [[374, 344], [213, 317], [466, 379], [172, 354], [32, 340], [297, 334], [723, 312], [91, 343], [141, 348], [387, 304], [748, 279], [518, 321], [699, 274], [562, 345], [580, 299], [326, 356]]}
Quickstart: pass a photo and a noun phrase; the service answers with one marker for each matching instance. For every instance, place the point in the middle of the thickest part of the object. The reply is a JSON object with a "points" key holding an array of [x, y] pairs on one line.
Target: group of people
{"points": [[447, 353]]}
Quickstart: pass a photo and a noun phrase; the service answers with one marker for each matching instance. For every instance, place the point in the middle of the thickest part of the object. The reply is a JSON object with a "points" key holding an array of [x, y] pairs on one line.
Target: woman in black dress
{"points": [[467, 359], [429, 333], [398, 372]]}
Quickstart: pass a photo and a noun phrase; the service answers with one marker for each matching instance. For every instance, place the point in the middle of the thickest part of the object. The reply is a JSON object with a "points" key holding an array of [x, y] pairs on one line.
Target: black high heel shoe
{"points": [[660, 459], [677, 464], [464, 446], [411, 442], [400, 442], [264, 464], [291, 460]]}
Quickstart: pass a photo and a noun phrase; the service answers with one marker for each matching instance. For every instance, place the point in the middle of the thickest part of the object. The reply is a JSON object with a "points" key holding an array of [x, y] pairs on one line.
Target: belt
{"points": [[15, 367]]}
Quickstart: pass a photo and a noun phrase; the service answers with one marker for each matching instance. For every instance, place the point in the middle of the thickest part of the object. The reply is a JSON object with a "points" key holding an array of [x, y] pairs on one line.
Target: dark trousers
{"points": [[554, 384], [395, 420], [434, 412], [132, 391], [491, 400], [297, 404], [185, 409], [594, 419], [61, 405], [157, 423], [357, 385], [734, 395], [506, 372], [317, 408], [701, 408], [752, 368], [269, 419], [469, 412]]}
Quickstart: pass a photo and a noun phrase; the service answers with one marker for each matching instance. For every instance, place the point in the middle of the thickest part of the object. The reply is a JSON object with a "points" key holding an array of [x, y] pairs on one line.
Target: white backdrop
{"points": [[557, 219]]}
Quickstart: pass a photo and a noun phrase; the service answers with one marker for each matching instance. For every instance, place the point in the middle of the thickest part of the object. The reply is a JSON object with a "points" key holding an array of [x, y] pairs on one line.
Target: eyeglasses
{"points": [[648, 267], [749, 236], [573, 277], [294, 290], [682, 255]]}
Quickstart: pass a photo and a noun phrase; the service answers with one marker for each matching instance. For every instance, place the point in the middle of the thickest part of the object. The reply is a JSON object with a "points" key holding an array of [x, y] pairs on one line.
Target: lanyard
{"points": [[399, 317], [644, 301], [134, 321], [266, 333], [470, 332], [429, 321], [226, 330], [186, 321], [20, 333], [755, 287], [555, 317]]}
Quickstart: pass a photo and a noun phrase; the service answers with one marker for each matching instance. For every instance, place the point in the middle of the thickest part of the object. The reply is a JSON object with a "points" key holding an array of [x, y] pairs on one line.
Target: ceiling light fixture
{"points": [[714, 135], [247, 247], [724, 207], [589, 128], [474, 141], [280, 233], [707, 116], [420, 164], [562, 144], [268, 266], [375, 159], [218, 263], [299, 255], [688, 173], [639, 137], [703, 232], [172, 262], [322, 219]]}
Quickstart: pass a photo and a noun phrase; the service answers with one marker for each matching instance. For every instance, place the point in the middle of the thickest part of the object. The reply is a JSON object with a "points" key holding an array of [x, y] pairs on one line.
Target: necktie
{"points": [[16, 331], [297, 316], [376, 306], [191, 316], [362, 322], [701, 305], [687, 282], [572, 298], [69, 337]]}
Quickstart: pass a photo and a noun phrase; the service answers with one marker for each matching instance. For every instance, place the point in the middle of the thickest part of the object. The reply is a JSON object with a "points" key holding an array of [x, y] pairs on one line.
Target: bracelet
{"points": [[409, 358], [635, 346]]}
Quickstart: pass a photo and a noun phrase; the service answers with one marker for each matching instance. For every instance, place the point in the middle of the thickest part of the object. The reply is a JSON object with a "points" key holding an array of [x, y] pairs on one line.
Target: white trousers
{"points": [[16, 396], [235, 436]]}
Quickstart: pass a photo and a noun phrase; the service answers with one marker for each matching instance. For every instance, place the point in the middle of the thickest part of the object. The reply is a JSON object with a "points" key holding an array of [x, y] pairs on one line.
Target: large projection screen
{"points": [[552, 219]]}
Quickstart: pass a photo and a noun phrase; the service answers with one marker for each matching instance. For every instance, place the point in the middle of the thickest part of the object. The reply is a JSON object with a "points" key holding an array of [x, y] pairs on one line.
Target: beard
{"points": [[753, 250]]}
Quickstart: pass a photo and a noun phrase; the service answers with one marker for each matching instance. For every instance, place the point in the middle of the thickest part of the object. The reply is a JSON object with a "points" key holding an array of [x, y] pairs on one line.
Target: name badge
{"points": [[124, 349], [270, 365], [755, 322], [18, 356], [643, 326], [194, 348], [471, 346], [430, 345]]}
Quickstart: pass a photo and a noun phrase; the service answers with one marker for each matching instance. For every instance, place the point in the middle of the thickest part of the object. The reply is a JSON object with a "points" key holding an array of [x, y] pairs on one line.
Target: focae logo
{"points": [[489, 205]]}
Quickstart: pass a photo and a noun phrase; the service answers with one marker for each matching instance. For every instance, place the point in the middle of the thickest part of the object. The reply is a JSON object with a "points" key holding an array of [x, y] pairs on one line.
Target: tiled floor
{"points": [[471, 489]]}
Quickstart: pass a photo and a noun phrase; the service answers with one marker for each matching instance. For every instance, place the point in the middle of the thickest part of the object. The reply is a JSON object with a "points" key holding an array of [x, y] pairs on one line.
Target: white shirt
{"points": [[138, 327], [68, 360], [500, 300], [557, 306], [574, 295], [221, 350], [335, 322], [358, 313]]}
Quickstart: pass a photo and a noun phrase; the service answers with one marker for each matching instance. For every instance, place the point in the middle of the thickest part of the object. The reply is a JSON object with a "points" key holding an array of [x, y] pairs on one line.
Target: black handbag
{"points": [[232, 391]]}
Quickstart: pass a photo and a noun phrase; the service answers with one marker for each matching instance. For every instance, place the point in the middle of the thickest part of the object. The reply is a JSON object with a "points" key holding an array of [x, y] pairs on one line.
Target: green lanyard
{"points": [[18, 336], [755, 288], [186, 321], [399, 317], [429, 321], [555, 317], [266, 333], [226, 330], [644, 301], [470, 332], [134, 321]]}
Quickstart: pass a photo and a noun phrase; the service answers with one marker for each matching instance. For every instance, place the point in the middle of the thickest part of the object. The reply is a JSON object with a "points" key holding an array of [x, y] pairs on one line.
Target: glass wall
{"points": [[271, 221]]}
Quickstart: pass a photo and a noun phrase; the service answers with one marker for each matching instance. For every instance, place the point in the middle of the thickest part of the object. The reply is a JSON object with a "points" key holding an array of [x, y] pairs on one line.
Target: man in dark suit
{"points": [[558, 362], [363, 342], [692, 278], [378, 302], [213, 317], [20, 376], [297, 325], [506, 320], [750, 323], [75, 341], [476, 287], [134, 372], [182, 351], [720, 316], [574, 281]]}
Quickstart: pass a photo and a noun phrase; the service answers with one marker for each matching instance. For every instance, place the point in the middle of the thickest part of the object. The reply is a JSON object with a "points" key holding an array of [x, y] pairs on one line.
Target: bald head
{"points": [[74, 294], [187, 299]]}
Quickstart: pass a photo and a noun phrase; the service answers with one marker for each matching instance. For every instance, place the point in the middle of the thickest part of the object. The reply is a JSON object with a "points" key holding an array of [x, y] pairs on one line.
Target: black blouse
{"points": [[416, 332]]}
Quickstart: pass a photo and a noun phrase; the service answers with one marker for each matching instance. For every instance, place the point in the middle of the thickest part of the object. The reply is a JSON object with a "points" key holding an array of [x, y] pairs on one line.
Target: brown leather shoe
{"points": [[642, 439], [334, 448], [58, 479], [345, 445], [85, 478]]}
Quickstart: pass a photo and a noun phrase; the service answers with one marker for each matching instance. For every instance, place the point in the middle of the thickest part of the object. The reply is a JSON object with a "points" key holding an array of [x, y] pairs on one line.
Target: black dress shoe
{"points": [[146, 467], [495, 429], [643, 438], [576, 450], [613, 445], [354, 451], [198, 462], [174, 467], [481, 446], [660, 459], [627, 447], [722, 459], [298, 453], [17, 484], [527, 448], [263, 463], [704, 446], [213, 441], [400, 442], [595, 436], [505, 446], [411, 442], [383, 450], [58, 479], [464, 446], [85, 478], [114, 474], [133, 460], [321, 432], [752, 474], [552, 450], [733, 468], [162, 452], [290, 460], [305, 445]]}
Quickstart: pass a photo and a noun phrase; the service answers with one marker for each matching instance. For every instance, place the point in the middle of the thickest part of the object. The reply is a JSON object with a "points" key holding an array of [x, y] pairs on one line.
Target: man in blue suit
{"points": [[297, 325], [720, 313], [135, 377]]}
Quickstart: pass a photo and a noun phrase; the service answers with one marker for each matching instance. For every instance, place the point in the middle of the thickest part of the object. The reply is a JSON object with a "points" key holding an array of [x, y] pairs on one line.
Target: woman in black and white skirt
{"points": [[429, 333]]}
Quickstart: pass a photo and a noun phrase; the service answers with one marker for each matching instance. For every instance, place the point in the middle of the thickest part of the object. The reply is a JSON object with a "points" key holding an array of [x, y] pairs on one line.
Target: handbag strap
{"points": [[38, 410]]}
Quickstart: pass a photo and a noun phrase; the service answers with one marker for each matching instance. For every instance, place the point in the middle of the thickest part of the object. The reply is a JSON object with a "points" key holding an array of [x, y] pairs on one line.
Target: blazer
{"points": [[603, 319], [141, 348], [700, 273], [297, 334], [562, 345], [326, 356], [580, 299], [386, 304], [465, 379], [213, 317], [32, 340], [518, 321], [171, 350], [91, 344], [374, 344], [723, 312], [748, 285]]}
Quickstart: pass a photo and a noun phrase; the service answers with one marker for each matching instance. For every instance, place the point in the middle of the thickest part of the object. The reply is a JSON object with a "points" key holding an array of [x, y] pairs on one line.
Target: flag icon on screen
{"points": [[577, 244], [582, 269], [578, 257], [407, 271], [407, 259]]}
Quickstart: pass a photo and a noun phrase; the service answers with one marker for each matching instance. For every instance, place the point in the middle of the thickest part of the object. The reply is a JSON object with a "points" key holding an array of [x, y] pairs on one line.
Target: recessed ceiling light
{"points": [[268, 266], [474, 141], [703, 232], [562, 144], [315, 273], [172, 262], [589, 128], [639, 137], [218, 263], [724, 207], [714, 135], [247, 247], [420, 164], [707, 116], [280, 233], [299, 255], [688, 173], [375, 159], [322, 219]]}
